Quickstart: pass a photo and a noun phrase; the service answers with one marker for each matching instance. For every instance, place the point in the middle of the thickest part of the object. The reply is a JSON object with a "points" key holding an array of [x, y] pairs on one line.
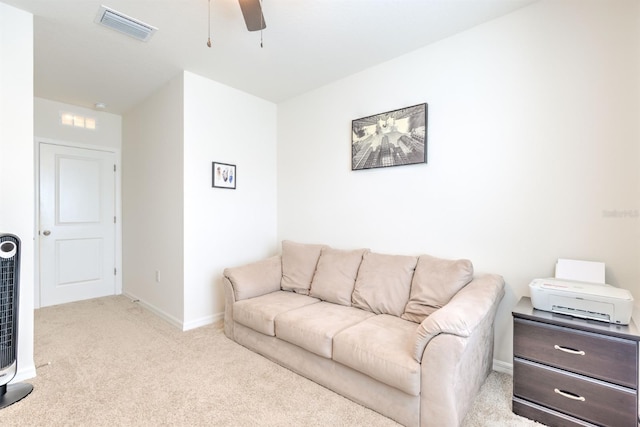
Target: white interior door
{"points": [[77, 224]]}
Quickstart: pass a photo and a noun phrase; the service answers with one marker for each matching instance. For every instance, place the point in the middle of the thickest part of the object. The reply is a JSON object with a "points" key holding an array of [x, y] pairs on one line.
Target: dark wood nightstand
{"points": [[569, 371]]}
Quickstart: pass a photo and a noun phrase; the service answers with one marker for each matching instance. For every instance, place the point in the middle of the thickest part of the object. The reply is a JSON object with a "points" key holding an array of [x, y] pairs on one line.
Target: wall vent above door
{"points": [[124, 24]]}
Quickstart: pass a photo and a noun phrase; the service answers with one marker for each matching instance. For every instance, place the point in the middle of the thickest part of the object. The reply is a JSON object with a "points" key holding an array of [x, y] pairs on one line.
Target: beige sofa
{"points": [[410, 337]]}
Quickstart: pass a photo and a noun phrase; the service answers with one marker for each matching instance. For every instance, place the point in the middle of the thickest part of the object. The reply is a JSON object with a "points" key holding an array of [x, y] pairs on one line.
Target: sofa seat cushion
{"points": [[313, 327], [259, 313], [381, 347]]}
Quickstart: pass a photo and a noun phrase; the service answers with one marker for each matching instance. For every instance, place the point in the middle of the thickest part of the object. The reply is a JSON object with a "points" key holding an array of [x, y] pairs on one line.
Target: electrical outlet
{"points": [[157, 276]]}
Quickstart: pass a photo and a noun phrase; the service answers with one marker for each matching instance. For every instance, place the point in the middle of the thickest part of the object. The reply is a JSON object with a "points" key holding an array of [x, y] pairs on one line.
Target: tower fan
{"points": [[9, 289]]}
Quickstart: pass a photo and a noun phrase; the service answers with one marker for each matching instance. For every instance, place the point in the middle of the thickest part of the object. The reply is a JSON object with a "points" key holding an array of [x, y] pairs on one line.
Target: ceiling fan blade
{"points": [[252, 12]]}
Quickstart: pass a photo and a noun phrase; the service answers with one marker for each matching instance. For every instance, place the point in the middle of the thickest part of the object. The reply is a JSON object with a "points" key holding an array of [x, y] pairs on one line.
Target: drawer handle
{"points": [[569, 350], [569, 395]]}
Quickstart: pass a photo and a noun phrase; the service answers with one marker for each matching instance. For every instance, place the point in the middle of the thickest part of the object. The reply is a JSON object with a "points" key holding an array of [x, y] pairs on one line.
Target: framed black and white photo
{"points": [[394, 138], [224, 175]]}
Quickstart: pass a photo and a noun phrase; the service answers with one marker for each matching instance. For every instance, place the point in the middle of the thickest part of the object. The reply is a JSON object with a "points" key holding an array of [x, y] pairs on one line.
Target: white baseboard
{"points": [[203, 321], [184, 326], [155, 310], [504, 367]]}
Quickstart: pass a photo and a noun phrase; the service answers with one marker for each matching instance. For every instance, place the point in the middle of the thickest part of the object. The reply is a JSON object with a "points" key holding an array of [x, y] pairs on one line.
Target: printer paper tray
{"points": [[592, 309]]}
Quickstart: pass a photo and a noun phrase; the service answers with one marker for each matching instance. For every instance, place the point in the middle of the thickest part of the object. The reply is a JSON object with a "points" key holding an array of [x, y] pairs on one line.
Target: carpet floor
{"points": [[110, 362]]}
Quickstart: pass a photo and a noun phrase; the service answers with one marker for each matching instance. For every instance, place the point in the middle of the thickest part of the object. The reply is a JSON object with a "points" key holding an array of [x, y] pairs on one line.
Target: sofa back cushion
{"points": [[384, 283], [435, 282], [299, 262], [336, 275]]}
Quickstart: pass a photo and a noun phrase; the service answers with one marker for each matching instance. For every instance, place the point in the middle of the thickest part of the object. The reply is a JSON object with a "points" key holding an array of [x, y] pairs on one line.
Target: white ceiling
{"points": [[307, 43]]}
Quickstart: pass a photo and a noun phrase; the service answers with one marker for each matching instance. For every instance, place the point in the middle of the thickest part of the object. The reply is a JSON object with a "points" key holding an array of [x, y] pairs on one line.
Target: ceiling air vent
{"points": [[124, 24]]}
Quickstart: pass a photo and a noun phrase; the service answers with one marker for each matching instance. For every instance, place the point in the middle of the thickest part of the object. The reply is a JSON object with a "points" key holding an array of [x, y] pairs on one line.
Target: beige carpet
{"points": [[110, 362]]}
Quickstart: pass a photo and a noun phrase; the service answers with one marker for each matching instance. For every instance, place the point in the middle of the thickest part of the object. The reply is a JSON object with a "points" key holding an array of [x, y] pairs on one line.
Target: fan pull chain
{"points": [[209, 38], [261, 24]]}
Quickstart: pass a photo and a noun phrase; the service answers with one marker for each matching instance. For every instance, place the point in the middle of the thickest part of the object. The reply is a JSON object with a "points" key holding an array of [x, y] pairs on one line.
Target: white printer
{"points": [[582, 299]]}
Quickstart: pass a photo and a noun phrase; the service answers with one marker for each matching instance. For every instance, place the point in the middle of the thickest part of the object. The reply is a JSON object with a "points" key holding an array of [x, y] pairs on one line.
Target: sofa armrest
{"points": [[463, 313], [255, 279]]}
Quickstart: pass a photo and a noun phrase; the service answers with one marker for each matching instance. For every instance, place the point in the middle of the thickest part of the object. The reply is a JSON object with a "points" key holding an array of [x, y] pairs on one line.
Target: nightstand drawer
{"points": [[594, 401], [546, 416], [598, 356]]}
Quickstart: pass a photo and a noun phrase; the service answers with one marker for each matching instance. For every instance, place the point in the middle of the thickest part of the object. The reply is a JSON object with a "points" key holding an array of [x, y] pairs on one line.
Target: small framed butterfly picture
{"points": [[224, 175]]}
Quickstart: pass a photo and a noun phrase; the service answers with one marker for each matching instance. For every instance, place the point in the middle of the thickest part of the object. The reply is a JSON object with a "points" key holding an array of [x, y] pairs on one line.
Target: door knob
{"points": [[46, 232]]}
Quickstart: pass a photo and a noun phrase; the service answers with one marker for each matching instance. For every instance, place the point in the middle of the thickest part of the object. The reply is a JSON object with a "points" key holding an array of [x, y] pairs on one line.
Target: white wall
{"points": [[152, 201], [533, 146], [174, 221], [225, 227], [16, 163], [108, 132]]}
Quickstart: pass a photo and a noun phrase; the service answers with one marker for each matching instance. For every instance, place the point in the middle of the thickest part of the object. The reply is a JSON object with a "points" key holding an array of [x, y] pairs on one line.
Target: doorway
{"points": [[77, 223]]}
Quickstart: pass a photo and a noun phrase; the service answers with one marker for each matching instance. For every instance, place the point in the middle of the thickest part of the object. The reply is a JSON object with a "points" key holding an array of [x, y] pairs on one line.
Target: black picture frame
{"points": [[224, 175], [393, 138]]}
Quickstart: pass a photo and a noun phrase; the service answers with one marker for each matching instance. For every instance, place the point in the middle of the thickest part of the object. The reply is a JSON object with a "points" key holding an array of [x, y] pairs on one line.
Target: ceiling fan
{"points": [[252, 12], [253, 17]]}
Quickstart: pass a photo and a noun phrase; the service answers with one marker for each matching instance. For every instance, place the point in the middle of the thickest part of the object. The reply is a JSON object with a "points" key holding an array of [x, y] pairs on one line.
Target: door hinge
{"points": [[114, 219], [114, 168], [115, 271]]}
